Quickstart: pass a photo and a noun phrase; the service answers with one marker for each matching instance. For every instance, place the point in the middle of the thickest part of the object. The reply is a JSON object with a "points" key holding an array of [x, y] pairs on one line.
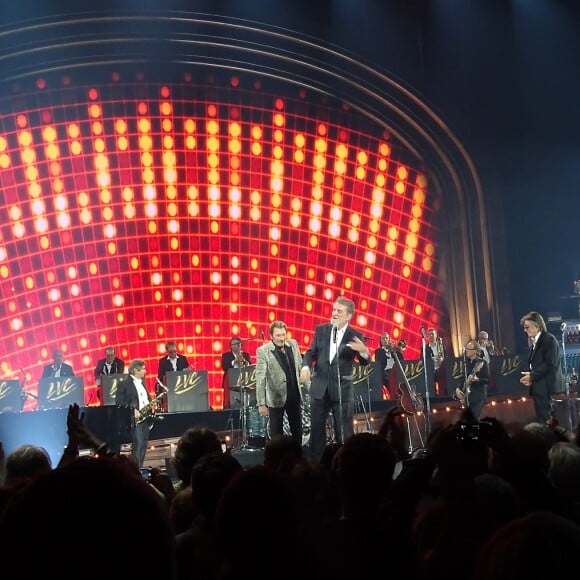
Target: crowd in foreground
{"points": [[482, 500]]}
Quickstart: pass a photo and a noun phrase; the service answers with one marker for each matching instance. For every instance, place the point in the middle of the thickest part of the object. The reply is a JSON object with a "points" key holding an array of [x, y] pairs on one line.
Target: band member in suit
{"points": [[435, 349], [385, 361], [486, 345], [110, 365], [171, 362], [57, 368], [473, 393], [278, 365], [334, 348], [132, 393], [544, 377], [234, 358]]}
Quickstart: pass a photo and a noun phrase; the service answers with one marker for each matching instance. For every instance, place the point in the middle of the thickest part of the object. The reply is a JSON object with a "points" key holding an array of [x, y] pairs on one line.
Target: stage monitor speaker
{"points": [[187, 391]]}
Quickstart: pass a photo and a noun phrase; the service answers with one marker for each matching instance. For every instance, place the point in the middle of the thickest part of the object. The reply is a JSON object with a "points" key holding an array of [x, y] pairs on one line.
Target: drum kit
{"points": [[252, 424], [254, 429]]}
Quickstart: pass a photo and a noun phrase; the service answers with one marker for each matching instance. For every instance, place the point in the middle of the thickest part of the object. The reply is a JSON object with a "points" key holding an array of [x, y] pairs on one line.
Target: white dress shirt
{"points": [[141, 392]]}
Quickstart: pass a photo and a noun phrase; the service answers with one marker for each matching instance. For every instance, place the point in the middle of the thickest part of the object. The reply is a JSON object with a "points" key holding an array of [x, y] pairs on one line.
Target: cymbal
{"points": [[242, 388]]}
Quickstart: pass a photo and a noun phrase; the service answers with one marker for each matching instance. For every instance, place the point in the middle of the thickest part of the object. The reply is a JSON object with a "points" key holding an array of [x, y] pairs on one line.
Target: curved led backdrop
{"points": [[135, 211]]}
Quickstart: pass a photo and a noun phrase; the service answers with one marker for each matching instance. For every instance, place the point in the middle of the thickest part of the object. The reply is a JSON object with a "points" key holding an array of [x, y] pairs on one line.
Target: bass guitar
{"points": [[463, 392], [409, 400], [411, 403]]}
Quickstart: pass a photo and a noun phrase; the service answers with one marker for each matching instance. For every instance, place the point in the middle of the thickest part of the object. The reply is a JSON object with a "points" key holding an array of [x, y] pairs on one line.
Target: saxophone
{"points": [[149, 409], [438, 352]]}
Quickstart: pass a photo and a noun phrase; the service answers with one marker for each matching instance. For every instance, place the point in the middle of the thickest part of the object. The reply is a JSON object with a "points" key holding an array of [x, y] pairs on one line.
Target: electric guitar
{"points": [[463, 392]]}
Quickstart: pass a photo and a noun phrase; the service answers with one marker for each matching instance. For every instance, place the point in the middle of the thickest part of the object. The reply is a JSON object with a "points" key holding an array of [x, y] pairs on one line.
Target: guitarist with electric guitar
{"points": [[132, 393], [473, 392]]}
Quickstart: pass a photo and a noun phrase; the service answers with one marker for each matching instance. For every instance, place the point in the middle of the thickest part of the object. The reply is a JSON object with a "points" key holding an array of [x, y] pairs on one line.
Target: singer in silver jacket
{"points": [[278, 391]]}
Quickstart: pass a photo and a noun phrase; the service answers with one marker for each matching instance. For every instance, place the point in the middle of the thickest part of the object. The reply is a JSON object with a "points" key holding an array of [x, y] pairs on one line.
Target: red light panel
{"points": [[134, 214]]}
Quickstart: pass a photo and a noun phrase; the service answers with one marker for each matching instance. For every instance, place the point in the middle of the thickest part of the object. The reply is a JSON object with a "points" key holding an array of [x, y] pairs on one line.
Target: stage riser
{"points": [[48, 428]]}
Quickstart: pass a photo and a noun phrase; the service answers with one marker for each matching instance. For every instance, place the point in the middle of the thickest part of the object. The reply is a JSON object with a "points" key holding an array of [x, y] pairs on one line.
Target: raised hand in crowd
{"points": [[392, 430], [79, 436]]}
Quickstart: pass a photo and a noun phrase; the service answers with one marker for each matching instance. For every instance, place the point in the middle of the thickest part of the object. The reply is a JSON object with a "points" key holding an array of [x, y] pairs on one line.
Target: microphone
{"points": [[423, 334], [563, 326], [334, 331], [262, 335], [161, 384]]}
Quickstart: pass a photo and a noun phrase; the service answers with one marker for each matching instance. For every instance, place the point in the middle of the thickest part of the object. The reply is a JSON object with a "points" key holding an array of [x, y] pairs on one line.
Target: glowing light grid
{"points": [[140, 213]]}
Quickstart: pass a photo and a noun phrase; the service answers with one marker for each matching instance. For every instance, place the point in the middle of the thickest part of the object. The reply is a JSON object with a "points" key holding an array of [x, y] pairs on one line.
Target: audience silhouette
{"points": [[482, 499]]}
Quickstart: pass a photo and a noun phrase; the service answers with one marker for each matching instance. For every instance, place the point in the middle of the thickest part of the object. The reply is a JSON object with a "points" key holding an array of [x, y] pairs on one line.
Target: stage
{"points": [[48, 428]]}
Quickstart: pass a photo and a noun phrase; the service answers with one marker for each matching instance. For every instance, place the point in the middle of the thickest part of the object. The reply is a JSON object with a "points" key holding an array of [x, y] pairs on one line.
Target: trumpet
{"points": [[491, 348], [399, 347]]}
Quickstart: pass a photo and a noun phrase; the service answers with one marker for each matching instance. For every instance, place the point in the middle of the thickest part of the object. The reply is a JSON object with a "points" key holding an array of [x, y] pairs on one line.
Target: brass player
{"points": [[473, 393]]}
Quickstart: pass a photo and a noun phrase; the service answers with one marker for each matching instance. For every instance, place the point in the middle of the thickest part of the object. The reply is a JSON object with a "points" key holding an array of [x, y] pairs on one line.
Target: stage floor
{"points": [[48, 428]]}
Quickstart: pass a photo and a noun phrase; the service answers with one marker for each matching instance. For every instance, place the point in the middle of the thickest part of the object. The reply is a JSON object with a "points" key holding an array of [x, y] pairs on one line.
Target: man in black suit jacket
{"points": [[110, 365], [544, 377], [132, 393], [57, 368], [333, 351], [385, 362], [169, 363], [233, 359]]}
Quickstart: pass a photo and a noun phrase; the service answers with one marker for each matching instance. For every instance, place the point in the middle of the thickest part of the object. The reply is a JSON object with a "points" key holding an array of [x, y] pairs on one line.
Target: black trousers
{"points": [[476, 400], [139, 439], [342, 416], [293, 410]]}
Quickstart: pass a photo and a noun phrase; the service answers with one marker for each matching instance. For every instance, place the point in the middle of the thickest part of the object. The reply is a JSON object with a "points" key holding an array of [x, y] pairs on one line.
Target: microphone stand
{"points": [[334, 333], [427, 395], [25, 394], [569, 412]]}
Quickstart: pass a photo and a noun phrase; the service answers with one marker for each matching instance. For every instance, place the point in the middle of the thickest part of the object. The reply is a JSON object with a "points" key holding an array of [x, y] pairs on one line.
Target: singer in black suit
{"points": [[544, 377], [57, 368], [327, 391]]}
